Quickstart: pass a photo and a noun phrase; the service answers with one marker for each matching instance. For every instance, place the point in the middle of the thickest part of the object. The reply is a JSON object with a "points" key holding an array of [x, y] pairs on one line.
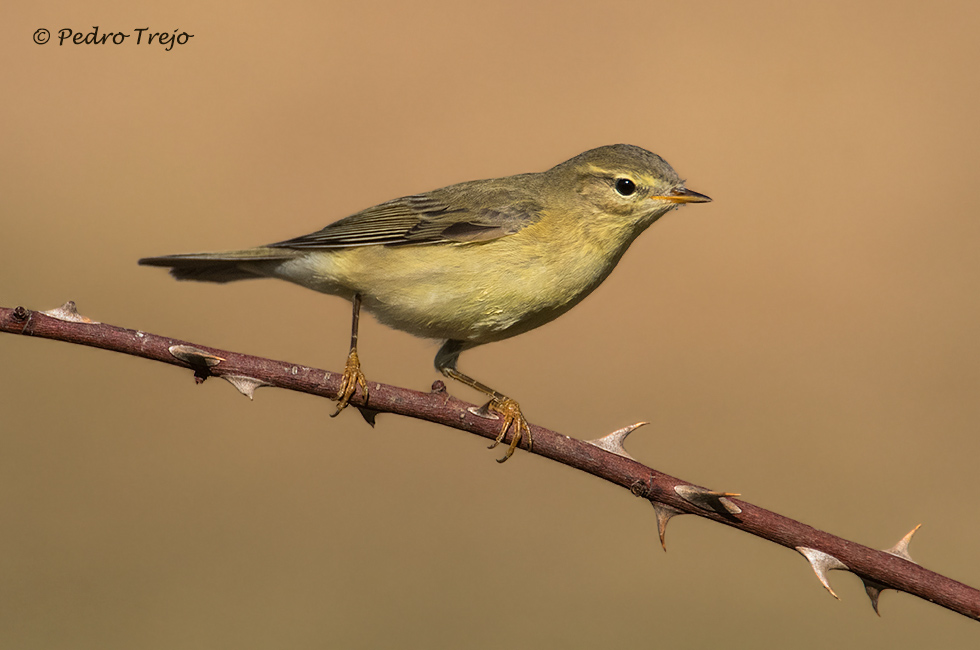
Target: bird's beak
{"points": [[683, 195]]}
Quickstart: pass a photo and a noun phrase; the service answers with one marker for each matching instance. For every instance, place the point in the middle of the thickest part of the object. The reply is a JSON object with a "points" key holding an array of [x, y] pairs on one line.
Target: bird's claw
{"points": [[352, 378], [511, 412]]}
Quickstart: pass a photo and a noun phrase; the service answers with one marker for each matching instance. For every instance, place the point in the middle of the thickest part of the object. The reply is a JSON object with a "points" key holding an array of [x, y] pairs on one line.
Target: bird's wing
{"points": [[443, 216]]}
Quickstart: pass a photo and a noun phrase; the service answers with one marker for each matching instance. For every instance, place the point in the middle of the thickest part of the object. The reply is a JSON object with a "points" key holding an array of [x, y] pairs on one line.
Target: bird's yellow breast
{"points": [[479, 291]]}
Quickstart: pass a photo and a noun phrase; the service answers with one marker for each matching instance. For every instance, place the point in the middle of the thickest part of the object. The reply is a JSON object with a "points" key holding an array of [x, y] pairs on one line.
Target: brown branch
{"points": [[604, 458]]}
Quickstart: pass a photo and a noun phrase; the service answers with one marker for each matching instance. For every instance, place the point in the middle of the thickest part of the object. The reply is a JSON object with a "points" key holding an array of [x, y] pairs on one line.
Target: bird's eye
{"points": [[625, 186]]}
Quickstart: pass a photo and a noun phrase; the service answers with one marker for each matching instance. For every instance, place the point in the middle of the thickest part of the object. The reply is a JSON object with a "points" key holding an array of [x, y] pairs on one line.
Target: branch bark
{"points": [[605, 458]]}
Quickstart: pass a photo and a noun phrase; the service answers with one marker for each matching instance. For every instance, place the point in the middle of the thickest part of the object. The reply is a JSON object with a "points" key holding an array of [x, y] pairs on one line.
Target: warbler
{"points": [[470, 263]]}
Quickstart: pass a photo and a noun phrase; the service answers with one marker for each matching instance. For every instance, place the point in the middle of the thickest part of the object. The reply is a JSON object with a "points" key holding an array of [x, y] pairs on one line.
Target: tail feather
{"points": [[221, 267]]}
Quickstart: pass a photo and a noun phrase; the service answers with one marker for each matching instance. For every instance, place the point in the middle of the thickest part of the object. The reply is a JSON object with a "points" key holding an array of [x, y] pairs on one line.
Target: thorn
{"points": [[368, 414], [873, 590], [194, 356], [613, 442], [200, 361], [245, 385], [822, 563], [664, 513], [483, 412], [68, 312], [708, 499], [901, 549]]}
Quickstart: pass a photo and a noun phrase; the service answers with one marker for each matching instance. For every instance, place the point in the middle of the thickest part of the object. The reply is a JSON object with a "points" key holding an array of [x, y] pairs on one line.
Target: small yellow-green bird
{"points": [[470, 263]]}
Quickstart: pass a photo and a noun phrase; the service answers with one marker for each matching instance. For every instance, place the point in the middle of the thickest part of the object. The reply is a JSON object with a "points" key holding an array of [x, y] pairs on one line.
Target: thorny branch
{"points": [[605, 457]]}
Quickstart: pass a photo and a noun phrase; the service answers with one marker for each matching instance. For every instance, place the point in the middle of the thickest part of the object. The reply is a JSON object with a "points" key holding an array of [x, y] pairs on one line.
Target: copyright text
{"points": [[140, 36]]}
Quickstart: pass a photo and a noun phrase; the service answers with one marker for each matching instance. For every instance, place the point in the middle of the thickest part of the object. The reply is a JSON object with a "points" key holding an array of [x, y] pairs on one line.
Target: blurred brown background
{"points": [[808, 339]]}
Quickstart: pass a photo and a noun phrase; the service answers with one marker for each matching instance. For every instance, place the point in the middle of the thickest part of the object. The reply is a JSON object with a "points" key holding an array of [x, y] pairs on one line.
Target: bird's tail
{"points": [[226, 266]]}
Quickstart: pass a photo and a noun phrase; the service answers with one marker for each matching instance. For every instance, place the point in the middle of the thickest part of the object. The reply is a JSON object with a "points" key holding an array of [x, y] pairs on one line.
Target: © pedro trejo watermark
{"points": [[141, 36]]}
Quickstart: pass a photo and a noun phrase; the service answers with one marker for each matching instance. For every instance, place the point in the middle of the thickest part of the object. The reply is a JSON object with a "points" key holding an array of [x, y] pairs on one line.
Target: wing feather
{"points": [[455, 214]]}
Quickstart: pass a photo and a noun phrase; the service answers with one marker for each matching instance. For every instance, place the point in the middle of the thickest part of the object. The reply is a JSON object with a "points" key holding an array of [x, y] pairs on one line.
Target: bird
{"points": [[471, 263]]}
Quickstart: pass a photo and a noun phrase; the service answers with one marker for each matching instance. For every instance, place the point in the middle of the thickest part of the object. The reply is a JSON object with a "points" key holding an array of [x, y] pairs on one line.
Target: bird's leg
{"points": [[509, 409], [353, 377]]}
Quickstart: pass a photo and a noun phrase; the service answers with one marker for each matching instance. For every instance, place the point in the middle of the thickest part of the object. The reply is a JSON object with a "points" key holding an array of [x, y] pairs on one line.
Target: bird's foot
{"points": [[512, 415], [353, 377]]}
